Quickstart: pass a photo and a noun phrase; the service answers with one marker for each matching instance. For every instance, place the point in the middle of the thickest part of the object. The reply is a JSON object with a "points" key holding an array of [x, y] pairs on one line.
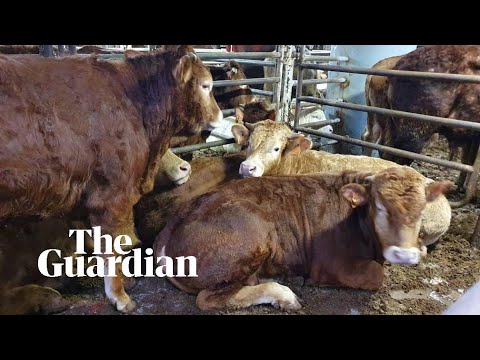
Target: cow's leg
{"points": [[116, 218], [469, 153], [268, 293]]}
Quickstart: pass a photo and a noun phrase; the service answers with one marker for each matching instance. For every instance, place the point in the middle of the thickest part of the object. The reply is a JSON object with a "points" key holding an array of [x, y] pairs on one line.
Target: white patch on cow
{"points": [[243, 86], [402, 256], [268, 293]]}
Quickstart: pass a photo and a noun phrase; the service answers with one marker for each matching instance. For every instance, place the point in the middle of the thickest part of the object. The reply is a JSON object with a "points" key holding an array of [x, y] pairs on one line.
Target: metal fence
{"points": [[472, 170]]}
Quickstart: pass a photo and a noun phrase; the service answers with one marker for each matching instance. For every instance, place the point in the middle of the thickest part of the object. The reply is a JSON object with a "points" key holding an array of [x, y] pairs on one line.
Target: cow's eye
{"points": [[276, 149], [206, 86]]}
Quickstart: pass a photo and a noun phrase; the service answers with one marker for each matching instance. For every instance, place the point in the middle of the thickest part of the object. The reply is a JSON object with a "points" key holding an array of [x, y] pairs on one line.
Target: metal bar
{"points": [[195, 147], [321, 123], [251, 62], [339, 80], [399, 73], [298, 96], [238, 55], [471, 186], [326, 58], [262, 92], [407, 154], [376, 110], [46, 50], [224, 83]]}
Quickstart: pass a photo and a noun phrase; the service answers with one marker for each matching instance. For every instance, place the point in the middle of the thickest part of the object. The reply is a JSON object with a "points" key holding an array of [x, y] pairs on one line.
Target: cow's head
{"points": [[173, 170], [267, 142], [178, 78], [396, 198]]}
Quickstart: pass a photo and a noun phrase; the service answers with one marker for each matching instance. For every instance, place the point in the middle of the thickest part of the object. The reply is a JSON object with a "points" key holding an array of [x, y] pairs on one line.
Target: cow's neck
{"points": [[304, 163]]}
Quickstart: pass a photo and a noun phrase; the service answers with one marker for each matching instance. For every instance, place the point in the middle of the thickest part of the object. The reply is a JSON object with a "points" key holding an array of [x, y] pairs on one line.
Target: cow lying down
{"points": [[273, 149], [336, 229]]}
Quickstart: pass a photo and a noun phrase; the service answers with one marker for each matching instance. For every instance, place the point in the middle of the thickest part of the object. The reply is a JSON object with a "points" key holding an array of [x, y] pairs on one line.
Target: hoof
{"points": [[126, 308]]}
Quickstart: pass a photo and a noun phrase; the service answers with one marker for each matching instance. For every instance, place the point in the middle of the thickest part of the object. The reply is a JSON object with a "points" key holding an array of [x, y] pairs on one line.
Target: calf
{"points": [[81, 131], [273, 149], [231, 96], [336, 229]]}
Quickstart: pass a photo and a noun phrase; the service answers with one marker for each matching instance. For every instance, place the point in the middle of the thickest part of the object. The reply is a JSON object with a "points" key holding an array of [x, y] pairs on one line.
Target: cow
{"points": [[23, 289], [82, 131], [94, 49], [376, 90], [454, 100], [273, 149], [231, 96], [336, 229], [19, 49], [378, 128], [207, 174]]}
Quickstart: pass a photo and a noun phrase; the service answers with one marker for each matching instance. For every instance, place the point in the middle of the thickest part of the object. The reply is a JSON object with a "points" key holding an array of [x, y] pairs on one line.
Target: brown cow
{"points": [[153, 209], [455, 100], [273, 149], [376, 90], [95, 130], [19, 49], [22, 287], [336, 229], [231, 96]]}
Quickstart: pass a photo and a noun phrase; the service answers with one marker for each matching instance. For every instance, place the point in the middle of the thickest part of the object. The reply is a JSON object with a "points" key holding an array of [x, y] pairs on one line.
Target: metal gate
{"points": [[472, 170]]}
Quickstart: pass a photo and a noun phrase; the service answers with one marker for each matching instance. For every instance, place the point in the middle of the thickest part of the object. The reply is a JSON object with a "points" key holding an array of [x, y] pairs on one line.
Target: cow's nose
{"points": [[251, 169], [185, 167]]}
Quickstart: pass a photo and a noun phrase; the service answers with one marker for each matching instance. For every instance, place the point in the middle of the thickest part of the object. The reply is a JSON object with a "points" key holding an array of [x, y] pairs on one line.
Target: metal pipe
{"points": [[339, 80], [326, 58], [471, 186], [371, 109], [238, 55], [251, 62], [195, 147], [298, 96], [321, 123], [399, 73], [224, 83], [262, 92], [407, 154]]}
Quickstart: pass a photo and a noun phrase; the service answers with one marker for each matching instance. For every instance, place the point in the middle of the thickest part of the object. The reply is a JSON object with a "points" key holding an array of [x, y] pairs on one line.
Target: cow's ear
{"points": [[437, 188], [130, 54], [271, 115], [239, 115], [183, 71], [297, 143], [240, 134], [356, 194]]}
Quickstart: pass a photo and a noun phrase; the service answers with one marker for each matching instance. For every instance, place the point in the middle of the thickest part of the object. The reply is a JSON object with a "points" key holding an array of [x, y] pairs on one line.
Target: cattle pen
{"points": [[452, 264]]}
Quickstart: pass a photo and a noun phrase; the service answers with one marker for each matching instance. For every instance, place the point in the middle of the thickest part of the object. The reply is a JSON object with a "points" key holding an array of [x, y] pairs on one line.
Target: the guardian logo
{"points": [[109, 254]]}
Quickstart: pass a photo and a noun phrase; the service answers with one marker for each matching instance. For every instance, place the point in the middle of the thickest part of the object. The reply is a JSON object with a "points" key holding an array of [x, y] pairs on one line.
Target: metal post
{"points": [[61, 50], [46, 50], [299, 87], [72, 49], [286, 85], [276, 87]]}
